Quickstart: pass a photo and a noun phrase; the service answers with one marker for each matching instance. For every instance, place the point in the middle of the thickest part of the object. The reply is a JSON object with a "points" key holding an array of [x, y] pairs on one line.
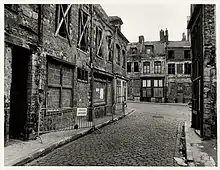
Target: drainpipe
{"points": [[113, 71], [91, 64]]}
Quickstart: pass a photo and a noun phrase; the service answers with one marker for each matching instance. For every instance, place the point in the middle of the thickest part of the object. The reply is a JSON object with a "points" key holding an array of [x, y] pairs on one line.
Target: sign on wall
{"points": [[81, 112]]}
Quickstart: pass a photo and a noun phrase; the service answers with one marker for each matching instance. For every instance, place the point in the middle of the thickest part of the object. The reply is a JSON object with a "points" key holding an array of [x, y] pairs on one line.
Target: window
{"points": [[149, 49], [187, 54], [170, 54], [144, 83], [128, 66], [100, 91], [179, 68], [123, 57], [99, 39], [146, 67], [118, 53], [148, 83], [109, 41], [82, 74], [158, 88], [187, 68], [60, 85], [83, 30], [133, 50], [63, 20], [136, 68], [171, 68], [157, 67], [119, 98]]}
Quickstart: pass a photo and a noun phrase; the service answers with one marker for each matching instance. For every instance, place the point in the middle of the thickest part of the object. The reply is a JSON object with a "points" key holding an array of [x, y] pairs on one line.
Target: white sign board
{"points": [[101, 93], [81, 112]]}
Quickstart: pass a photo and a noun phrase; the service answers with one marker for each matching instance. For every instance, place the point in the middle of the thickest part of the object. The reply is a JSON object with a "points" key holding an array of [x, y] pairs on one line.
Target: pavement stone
{"points": [[139, 140]]}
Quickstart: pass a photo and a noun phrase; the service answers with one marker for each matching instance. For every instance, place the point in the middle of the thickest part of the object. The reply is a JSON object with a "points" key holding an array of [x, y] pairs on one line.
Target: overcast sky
{"points": [[148, 19]]}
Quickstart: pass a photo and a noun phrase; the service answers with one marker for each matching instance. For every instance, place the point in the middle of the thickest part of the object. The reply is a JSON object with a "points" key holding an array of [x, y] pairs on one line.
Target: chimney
{"points": [[162, 35], [188, 31], [183, 37], [166, 35], [141, 39]]}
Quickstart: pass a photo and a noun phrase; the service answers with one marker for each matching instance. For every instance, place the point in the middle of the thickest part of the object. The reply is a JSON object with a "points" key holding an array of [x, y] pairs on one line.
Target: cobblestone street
{"points": [[147, 137]]}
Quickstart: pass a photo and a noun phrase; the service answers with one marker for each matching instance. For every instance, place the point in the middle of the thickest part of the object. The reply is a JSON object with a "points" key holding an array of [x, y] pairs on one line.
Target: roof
{"points": [[178, 44]]}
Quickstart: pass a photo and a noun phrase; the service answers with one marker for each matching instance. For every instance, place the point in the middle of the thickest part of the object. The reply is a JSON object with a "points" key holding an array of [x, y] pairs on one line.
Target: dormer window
{"points": [[149, 49], [133, 50]]}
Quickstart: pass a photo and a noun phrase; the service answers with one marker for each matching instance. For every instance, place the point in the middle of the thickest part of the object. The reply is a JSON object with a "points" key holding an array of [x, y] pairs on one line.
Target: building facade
{"points": [[146, 70], [66, 61], [203, 43], [178, 67], [159, 71]]}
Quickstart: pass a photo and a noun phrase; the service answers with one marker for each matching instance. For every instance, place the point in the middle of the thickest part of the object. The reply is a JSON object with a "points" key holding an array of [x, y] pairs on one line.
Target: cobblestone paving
{"points": [[144, 138]]}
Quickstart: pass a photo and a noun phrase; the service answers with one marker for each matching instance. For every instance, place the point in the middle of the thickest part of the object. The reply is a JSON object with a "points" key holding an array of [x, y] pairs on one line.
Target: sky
{"points": [[149, 19]]}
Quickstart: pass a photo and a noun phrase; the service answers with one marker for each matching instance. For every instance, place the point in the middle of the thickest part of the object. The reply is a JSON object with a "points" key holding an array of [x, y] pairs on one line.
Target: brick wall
{"points": [[209, 40], [7, 88]]}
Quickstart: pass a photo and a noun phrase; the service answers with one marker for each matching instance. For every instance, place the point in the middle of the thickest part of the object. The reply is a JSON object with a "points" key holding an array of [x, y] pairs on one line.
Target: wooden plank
{"points": [[66, 12], [84, 28], [66, 24]]}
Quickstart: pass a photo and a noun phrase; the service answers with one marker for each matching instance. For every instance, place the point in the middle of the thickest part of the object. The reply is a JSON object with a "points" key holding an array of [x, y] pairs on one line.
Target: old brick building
{"points": [[178, 66], [159, 71], [146, 70], [49, 52], [203, 43]]}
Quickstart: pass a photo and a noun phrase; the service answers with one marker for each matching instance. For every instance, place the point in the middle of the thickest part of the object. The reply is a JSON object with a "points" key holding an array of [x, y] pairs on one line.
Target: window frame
{"points": [[136, 67], [147, 65], [130, 67], [187, 67], [59, 18], [99, 51], [172, 66], [173, 55], [80, 30], [118, 52], [157, 67], [61, 84]]}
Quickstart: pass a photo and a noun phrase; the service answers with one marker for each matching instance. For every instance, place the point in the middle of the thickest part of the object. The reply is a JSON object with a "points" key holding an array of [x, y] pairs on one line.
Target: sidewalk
{"points": [[21, 152], [174, 104], [199, 152]]}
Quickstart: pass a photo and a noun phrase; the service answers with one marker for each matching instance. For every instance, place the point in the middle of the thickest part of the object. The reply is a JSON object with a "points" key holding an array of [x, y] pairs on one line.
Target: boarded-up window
{"points": [[99, 39], [65, 21], [60, 85], [83, 30]]}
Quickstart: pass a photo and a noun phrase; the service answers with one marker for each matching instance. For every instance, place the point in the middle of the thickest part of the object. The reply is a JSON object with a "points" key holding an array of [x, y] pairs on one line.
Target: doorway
{"points": [[18, 98]]}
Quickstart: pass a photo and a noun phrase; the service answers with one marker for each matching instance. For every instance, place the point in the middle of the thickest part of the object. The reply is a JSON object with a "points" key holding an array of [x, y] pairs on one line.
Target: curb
{"points": [[189, 155], [49, 148], [172, 104]]}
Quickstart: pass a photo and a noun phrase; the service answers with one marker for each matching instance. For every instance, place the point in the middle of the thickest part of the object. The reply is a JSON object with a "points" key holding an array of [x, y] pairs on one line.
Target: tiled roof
{"points": [[178, 44]]}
